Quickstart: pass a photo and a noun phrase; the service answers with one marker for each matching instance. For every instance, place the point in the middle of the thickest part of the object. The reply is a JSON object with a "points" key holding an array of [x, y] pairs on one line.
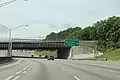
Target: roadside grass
{"points": [[46, 52], [113, 55]]}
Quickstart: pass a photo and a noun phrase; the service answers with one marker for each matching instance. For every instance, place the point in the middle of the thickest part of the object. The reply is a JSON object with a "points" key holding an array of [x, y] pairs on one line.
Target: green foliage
{"points": [[77, 33], [108, 31], [105, 31], [51, 36], [111, 54], [69, 33], [46, 52]]}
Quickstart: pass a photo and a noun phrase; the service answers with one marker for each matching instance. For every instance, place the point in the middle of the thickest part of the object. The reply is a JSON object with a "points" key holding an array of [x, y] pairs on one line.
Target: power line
{"points": [[6, 3]]}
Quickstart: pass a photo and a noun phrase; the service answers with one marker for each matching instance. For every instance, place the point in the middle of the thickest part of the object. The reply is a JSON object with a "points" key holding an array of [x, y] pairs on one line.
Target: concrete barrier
{"points": [[5, 59]]}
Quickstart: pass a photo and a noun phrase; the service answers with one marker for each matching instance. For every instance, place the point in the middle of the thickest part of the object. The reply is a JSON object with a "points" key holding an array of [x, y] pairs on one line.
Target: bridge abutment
{"points": [[63, 53]]}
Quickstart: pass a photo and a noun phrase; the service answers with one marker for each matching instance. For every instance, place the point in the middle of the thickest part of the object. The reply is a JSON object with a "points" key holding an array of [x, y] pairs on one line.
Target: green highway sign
{"points": [[72, 42]]}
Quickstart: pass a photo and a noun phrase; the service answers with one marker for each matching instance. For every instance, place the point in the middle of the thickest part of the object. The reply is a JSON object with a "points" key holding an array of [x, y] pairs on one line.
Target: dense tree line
{"points": [[107, 32]]}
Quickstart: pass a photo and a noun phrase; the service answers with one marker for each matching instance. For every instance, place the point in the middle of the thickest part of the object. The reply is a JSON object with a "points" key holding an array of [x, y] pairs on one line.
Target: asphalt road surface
{"points": [[36, 69]]}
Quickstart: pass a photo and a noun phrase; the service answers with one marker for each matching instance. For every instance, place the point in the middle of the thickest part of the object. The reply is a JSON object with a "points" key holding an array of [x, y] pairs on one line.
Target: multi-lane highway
{"points": [[36, 69]]}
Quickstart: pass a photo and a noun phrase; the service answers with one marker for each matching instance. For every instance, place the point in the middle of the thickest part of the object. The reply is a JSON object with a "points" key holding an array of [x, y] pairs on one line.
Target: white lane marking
{"points": [[18, 72], [16, 78], [24, 69], [29, 65], [24, 72], [10, 77], [28, 69], [63, 68], [76, 77]]}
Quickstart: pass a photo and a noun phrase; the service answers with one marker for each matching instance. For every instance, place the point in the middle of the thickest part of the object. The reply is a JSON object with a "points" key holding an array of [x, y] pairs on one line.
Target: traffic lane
{"points": [[103, 64], [101, 73], [45, 70], [76, 73], [109, 63], [13, 68]]}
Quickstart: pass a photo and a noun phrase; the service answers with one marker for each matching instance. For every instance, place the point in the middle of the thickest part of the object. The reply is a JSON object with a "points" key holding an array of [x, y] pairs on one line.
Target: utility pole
{"points": [[10, 40], [10, 44]]}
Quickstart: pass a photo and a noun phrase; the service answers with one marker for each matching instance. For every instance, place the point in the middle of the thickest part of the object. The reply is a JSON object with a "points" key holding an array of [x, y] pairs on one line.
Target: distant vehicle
{"points": [[40, 55], [51, 58], [46, 56], [32, 55]]}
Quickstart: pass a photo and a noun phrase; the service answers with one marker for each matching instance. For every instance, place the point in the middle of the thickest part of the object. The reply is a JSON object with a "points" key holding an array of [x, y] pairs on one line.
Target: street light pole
{"points": [[10, 44], [10, 40]]}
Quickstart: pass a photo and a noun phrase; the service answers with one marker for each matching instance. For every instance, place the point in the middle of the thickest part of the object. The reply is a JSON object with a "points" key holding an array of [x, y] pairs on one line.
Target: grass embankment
{"points": [[113, 55], [46, 52]]}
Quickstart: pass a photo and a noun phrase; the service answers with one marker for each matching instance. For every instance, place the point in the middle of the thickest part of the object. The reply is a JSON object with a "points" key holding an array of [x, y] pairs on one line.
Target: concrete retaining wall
{"points": [[82, 52]]}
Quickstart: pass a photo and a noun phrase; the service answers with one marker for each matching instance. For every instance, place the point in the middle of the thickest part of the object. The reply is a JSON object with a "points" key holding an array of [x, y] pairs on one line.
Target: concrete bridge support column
{"points": [[63, 53]]}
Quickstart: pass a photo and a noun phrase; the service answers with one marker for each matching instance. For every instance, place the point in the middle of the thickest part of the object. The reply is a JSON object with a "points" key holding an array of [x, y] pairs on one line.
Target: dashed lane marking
{"points": [[76, 78], [63, 68], [10, 77], [28, 69], [18, 72], [24, 72], [16, 78], [24, 69]]}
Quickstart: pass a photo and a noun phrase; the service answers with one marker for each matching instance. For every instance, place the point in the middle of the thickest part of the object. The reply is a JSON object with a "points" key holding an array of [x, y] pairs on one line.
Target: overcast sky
{"points": [[45, 16]]}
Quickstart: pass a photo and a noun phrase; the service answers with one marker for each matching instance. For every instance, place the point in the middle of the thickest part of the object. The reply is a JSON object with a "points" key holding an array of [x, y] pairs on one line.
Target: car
{"points": [[32, 55], [51, 58]]}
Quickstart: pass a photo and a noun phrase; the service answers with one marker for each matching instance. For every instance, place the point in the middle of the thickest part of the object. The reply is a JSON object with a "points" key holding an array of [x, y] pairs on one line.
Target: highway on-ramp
{"points": [[42, 69]]}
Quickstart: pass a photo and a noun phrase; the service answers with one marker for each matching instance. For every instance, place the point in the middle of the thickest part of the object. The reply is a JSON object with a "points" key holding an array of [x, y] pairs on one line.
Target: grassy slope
{"points": [[49, 53], [112, 55]]}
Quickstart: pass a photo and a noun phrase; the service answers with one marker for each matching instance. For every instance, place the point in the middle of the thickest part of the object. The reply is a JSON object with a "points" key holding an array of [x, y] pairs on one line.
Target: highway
{"points": [[36, 69]]}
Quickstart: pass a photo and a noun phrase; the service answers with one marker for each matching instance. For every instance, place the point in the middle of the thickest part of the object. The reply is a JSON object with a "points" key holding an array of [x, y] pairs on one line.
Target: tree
{"points": [[51, 36], [105, 31]]}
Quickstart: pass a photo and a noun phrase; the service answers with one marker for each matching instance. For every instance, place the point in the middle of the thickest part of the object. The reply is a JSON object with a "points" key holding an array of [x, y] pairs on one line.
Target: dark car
{"points": [[51, 58], [32, 56]]}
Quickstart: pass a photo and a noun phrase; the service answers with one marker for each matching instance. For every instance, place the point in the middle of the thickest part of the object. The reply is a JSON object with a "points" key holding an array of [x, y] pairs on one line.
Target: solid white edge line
{"points": [[16, 78], [10, 77], [18, 72], [76, 78]]}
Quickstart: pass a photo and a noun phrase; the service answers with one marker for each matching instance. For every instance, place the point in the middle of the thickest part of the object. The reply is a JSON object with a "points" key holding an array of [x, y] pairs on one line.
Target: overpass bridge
{"points": [[35, 44]]}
